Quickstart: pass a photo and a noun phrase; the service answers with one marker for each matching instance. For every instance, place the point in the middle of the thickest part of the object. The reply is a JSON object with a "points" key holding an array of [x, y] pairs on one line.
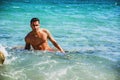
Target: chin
{"points": [[34, 29]]}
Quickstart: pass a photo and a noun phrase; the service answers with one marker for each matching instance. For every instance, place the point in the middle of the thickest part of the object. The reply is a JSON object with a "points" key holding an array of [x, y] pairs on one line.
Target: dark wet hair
{"points": [[34, 19]]}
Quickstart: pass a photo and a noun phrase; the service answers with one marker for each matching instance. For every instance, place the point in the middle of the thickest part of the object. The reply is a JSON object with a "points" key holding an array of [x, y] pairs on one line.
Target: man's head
{"points": [[35, 23]]}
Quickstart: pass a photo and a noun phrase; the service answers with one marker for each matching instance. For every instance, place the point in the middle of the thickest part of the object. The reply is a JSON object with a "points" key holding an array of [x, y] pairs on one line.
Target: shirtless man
{"points": [[38, 38]]}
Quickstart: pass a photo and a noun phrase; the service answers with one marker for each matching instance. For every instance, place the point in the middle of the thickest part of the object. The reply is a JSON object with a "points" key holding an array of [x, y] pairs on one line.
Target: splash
{"points": [[3, 50]]}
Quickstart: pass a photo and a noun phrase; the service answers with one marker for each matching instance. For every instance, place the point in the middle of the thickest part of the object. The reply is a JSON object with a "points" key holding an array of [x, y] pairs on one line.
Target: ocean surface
{"points": [[88, 30]]}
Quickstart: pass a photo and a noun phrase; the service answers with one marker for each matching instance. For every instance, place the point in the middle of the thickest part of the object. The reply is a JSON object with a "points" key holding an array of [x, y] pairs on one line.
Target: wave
{"points": [[25, 64], [89, 51], [3, 50]]}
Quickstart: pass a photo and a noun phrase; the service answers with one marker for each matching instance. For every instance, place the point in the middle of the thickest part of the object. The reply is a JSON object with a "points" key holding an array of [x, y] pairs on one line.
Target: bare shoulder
{"points": [[45, 30], [27, 37], [48, 33]]}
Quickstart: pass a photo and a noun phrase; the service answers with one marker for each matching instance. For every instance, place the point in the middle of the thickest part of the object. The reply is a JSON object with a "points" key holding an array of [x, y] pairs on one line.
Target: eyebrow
{"points": [[35, 25]]}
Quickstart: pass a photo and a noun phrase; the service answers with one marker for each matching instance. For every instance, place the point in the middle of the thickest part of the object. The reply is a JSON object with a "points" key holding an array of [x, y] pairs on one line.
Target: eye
{"points": [[36, 25]]}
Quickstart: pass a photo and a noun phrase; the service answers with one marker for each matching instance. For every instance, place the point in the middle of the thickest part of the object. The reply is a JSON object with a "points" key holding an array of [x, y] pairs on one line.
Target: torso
{"points": [[38, 40]]}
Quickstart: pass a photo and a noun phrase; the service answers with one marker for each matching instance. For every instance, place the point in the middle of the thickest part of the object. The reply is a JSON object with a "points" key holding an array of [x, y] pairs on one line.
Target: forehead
{"points": [[35, 22]]}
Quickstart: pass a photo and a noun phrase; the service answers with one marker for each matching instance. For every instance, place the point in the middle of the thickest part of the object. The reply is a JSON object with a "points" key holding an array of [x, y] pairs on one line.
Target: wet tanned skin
{"points": [[38, 39]]}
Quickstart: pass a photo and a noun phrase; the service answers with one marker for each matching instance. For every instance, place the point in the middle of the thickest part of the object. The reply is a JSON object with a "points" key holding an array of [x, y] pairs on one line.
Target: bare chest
{"points": [[38, 39]]}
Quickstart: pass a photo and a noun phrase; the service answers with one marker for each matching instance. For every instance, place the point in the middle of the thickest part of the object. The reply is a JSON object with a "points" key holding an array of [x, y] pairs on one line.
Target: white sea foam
{"points": [[3, 50]]}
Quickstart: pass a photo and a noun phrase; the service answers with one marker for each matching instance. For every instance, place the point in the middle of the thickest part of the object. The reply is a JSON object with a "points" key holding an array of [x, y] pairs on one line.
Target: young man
{"points": [[38, 38]]}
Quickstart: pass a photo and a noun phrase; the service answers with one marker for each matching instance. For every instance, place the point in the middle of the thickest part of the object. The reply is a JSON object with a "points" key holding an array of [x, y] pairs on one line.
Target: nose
{"points": [[35, 26]]}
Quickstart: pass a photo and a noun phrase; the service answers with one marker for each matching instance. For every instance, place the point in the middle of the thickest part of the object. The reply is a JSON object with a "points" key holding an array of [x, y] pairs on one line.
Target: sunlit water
{"points": [[88, 32]]}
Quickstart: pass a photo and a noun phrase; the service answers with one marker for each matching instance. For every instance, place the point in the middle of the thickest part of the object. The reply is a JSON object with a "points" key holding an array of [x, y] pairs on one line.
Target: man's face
{"points": [[35, 25]]}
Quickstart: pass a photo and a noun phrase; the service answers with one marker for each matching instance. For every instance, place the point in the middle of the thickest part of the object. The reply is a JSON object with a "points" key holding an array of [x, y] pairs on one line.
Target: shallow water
{"points": [[87, 31], [29, 65]]}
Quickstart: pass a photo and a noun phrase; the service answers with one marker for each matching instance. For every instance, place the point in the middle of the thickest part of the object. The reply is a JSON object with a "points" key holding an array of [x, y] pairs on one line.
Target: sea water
{"points": [[88, 30]]}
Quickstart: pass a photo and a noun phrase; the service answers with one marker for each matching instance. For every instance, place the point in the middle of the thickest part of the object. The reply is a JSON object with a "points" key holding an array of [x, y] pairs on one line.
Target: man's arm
{"points": [[27, 45], [54, 42]]}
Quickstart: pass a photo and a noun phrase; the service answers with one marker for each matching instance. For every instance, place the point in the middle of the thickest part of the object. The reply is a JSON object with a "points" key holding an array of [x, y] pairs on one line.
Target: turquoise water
{"points": [[87, 31]]}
